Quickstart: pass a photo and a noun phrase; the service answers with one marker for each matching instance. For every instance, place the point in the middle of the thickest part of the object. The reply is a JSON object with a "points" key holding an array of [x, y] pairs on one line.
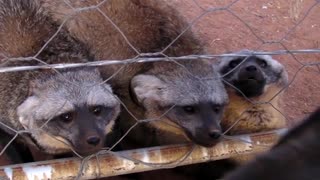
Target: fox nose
{"points": [[93, 140], [215, 134], [251, 68]]}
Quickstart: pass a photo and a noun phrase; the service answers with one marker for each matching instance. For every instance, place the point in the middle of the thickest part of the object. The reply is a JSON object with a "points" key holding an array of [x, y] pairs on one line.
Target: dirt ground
{"points": [[266, 26]]}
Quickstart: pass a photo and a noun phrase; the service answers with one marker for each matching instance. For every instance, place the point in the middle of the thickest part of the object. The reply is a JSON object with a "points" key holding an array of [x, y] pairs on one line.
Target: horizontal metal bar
{"points": [[138, 160], [142, 58]]}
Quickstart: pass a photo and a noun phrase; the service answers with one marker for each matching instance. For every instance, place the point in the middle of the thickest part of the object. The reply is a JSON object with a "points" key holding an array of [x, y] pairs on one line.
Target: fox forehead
{"points": [[191, 95]]}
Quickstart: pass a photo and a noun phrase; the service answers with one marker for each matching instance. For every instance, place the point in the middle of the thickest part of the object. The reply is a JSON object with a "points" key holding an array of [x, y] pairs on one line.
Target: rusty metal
{"points": [[138, 160]]}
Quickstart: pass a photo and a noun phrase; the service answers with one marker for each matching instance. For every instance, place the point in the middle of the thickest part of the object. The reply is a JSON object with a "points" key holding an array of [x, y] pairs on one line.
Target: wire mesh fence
{"points": [[123, 48]]}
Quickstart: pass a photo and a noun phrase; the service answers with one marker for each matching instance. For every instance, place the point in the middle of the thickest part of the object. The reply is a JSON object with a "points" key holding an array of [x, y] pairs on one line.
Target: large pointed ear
{"points": [[147, 88], [26, 110]]}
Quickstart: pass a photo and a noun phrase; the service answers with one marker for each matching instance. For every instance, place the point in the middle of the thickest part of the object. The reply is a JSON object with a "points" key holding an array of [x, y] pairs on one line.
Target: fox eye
{"points": [[263, 63], [96, 110], [189, 109], [66, 117], [234, 63], [217, 109]]}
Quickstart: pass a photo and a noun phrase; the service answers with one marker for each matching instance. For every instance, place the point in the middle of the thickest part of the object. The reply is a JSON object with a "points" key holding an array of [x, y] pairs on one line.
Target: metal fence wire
{"points": [[110, 162]]}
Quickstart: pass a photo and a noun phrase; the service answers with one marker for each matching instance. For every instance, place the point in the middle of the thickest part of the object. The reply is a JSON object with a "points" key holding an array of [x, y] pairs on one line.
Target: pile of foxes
{"points": [[82, 110]]}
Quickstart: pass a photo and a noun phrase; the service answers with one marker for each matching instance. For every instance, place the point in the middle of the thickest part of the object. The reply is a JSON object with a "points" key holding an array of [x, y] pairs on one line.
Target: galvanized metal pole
{"points": [[138, 160]]}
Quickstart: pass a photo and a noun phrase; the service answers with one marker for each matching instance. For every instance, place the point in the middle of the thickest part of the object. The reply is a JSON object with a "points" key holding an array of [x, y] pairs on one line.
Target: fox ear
{"points": [[147, 89], [25, 111]]}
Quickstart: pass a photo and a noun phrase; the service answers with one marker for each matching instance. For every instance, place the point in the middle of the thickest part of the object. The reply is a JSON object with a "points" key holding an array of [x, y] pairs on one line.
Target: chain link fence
{"points": [[109, 162]]}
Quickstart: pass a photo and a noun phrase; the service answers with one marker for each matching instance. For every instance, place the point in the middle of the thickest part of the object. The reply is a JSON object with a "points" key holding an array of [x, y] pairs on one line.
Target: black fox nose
{"points": [[215, 134], [251, 68], [93, 140]]}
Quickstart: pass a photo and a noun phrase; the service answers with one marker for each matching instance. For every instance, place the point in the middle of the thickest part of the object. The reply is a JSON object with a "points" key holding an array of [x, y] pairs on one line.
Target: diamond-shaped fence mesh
{"points": [[148, 62]]}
